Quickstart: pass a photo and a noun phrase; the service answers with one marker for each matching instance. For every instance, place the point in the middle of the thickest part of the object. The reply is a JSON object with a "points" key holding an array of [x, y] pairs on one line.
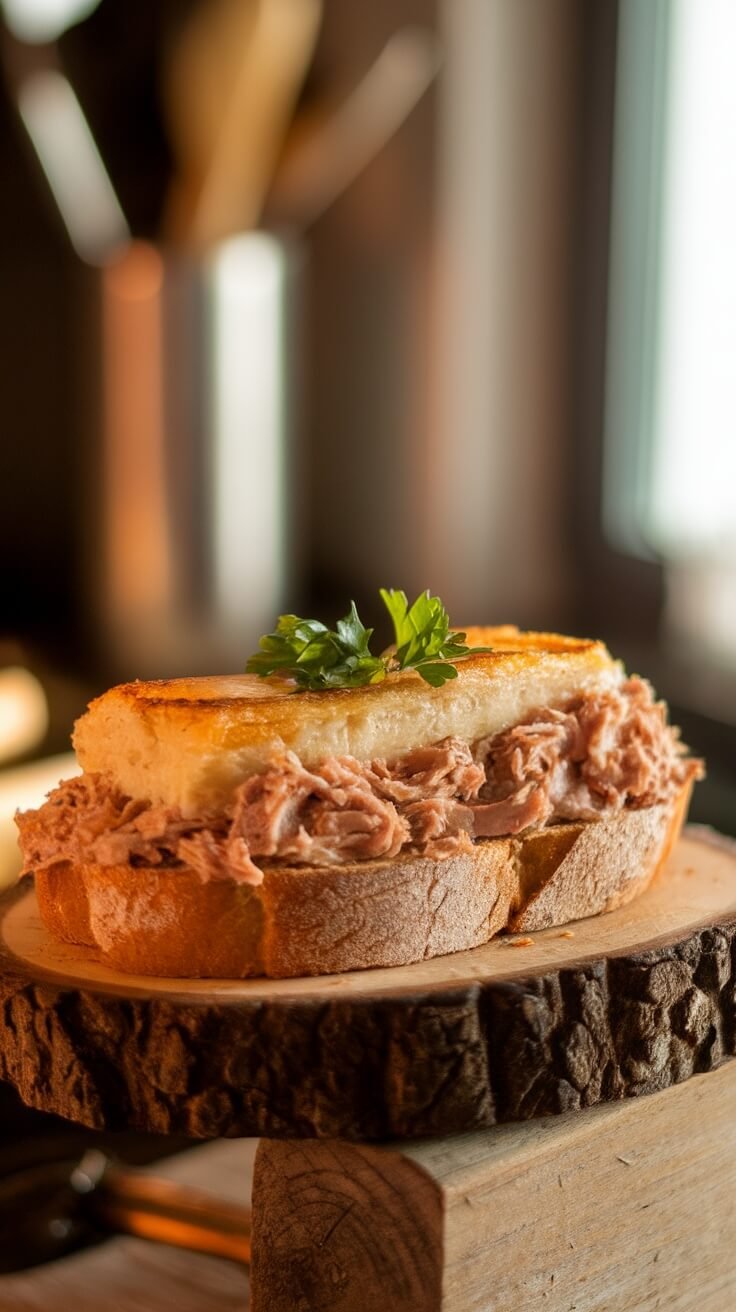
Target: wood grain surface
{"points": [[627, 1208], [132, 1275], [345, 1226], [618, 1005]]}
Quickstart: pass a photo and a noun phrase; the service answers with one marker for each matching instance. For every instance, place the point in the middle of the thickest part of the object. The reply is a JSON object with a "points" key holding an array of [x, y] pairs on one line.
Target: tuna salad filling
{"points": [[603, 752]]}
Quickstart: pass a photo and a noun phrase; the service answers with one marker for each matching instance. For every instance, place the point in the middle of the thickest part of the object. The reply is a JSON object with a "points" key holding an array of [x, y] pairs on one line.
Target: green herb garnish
{"points": [[316, 657]]}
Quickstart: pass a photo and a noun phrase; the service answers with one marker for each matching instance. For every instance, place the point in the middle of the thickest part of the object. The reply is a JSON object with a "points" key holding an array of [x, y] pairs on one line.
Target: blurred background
{"points": [[305, 297]]}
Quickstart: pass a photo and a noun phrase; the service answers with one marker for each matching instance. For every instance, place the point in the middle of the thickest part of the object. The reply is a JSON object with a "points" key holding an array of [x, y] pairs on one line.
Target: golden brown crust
{"points": [[188, 742], [63, 903], [321, 920], [608, 863], [253, 699]]}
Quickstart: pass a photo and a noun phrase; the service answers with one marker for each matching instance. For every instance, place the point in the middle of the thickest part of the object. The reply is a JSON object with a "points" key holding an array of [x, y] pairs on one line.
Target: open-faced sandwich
{"points": [[332, 810]]}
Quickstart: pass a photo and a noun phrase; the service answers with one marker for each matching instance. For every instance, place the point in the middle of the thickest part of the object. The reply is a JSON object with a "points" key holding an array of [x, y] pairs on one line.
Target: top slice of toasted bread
{"points": [[189, 742]]}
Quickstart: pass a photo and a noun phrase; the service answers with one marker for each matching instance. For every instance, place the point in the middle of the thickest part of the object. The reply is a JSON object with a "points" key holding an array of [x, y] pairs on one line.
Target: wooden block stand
{"points": [[628, 1206]]}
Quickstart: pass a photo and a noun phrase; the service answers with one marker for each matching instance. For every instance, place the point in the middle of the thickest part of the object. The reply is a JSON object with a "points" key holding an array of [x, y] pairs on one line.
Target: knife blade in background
{"points": [[333, 149]]}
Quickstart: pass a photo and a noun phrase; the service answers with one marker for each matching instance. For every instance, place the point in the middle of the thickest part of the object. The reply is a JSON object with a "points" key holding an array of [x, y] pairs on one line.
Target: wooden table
{"points": [[628, 1206]]}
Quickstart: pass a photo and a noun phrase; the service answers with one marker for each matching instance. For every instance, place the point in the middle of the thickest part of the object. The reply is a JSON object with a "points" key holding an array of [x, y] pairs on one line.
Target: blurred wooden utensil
{"points": [[230, 88]]}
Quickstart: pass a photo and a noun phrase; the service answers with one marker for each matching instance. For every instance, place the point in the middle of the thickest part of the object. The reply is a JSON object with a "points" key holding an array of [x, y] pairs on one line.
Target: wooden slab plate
{"points": [[614, 1006]]}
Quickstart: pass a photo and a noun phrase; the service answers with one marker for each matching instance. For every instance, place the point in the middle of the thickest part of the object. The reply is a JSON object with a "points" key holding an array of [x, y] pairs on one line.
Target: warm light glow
{"points": [[670, 466], [44, 20], [248, 384], [23, 712], [137, 567], [694, 479], [69, 157]]}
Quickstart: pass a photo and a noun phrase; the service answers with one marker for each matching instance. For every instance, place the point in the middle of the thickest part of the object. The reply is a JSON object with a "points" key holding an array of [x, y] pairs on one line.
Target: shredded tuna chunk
{"points": [[87, 819], [600, 753], [526, 808], [219, 858], [350, 821], [446, 769], [331, 814], [267, 812], [437, 817], [605, 751]]}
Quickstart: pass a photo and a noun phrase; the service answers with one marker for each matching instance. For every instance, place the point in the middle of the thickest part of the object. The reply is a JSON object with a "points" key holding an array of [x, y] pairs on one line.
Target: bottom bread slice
{"points": [[318, 920]]}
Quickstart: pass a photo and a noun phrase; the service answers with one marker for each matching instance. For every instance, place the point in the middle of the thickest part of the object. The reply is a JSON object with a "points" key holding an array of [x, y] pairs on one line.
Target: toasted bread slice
{"points": [[307, 920], [189, 742]]}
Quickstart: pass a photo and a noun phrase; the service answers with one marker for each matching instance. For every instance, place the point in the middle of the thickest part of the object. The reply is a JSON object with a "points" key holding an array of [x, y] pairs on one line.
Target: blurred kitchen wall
{"points": [[303, 298], [442, 311]]}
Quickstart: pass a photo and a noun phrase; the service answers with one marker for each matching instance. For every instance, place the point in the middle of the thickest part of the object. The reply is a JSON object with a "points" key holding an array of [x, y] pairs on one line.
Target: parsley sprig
{"points": [[316, 657]]}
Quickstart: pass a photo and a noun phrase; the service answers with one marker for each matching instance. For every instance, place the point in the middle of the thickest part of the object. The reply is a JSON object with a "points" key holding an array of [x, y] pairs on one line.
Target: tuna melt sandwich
{"points": [[334, 810]]}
